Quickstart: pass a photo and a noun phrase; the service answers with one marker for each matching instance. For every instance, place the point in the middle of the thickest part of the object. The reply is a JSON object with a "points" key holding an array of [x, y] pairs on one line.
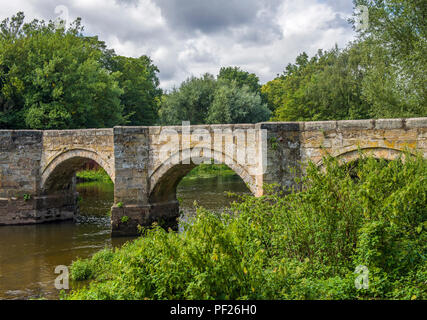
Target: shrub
{"points": [[285, 245]]}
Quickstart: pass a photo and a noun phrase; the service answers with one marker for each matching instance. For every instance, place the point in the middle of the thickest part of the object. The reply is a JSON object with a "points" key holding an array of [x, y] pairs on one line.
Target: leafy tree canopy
{"points": [[229, 98], [241, 78], [141, 95], [56, 78]]}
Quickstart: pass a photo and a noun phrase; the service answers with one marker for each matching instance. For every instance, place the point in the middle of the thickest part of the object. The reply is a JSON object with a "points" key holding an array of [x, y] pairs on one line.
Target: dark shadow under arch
{"points": [[59, 174]]}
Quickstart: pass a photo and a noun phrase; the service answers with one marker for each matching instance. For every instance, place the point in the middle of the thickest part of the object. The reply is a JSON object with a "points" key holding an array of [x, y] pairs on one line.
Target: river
{"points": [[29, 254]]}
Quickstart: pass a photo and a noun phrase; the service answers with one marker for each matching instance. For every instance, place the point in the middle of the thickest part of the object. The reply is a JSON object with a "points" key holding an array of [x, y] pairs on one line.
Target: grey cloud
{"points": [[202, 35], [345, 6], [211, 16], [128, 2], [339, 21]]}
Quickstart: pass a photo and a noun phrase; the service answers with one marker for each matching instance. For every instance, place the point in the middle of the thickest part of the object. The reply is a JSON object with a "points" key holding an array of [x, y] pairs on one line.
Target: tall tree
{"points": [[190, 102], [54, 78], [396, 46], [235, 104], [241, 78], [141, 93], [325, 87]]}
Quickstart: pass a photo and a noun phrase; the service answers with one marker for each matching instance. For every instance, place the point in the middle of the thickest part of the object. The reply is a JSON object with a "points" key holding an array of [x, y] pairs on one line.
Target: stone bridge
{"points": [[37, 168]]}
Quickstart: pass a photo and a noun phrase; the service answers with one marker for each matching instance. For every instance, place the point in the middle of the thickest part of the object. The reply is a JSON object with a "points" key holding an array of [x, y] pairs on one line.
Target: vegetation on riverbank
{"points": [[205, 171], [301, 245], [98, 175], [200, 172]]}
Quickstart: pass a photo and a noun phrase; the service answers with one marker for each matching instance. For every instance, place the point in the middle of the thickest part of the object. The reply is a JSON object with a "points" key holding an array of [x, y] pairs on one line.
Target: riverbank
{"points": [[306, 245], [206, 171], [202, 171], [97, 175], [28, 270]]}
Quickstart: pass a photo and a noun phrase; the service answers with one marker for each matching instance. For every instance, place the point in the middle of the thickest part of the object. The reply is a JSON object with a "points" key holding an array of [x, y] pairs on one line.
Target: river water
{"points": [[30, 254]]}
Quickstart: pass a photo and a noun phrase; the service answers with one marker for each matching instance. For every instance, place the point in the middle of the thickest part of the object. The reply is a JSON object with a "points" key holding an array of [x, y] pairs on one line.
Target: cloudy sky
{"points": [[191, 37]]}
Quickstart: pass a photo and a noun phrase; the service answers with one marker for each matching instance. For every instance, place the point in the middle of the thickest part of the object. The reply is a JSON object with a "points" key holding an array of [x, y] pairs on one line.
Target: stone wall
{"points": [[37, 167], [37, 170], [20, 155], [380, 138], [131, 145], [20, 200], [295, 143], [64, 151]]}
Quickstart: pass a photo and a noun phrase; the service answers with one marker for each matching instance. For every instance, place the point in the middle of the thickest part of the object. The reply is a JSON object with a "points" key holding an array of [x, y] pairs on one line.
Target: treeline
{"points": [[234, 96], [380, 75], [57, 78]]}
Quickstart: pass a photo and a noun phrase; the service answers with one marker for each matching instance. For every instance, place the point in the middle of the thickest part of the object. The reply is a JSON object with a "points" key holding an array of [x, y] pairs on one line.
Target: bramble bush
{"points": [[294, 244]]}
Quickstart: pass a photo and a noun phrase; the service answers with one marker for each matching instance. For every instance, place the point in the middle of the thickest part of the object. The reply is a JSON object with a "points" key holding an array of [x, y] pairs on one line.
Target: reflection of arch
{"points": [[58, 173], [379, 153], [165, 179]]}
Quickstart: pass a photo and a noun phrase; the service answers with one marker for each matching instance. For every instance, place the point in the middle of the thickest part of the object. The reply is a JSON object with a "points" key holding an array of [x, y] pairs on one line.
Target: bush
{"points": [[285, 245]]}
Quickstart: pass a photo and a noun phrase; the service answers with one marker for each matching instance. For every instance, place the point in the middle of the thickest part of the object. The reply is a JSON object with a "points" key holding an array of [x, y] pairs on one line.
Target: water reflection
{"points": [[29, 254]]}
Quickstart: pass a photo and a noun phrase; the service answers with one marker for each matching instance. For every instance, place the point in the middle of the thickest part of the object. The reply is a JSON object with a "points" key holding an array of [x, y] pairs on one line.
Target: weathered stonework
{"points": [[37, 168]]}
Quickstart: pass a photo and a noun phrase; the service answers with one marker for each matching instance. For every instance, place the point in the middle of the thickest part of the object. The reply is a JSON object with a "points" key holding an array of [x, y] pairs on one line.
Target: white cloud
{"points": [[187, 37]]}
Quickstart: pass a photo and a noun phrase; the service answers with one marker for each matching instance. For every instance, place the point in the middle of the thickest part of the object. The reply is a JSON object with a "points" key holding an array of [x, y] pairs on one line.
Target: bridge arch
{"points": [[165, 179], [58, 172], [355, 154]]}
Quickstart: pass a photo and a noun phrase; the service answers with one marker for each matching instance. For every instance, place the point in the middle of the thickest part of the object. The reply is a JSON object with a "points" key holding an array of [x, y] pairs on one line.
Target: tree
{"points": [[381, 75], [54, 78], [209, 100], [190, 102], [240, 77], [141, 93], [326, 87], [396, 46], [235, 104]]}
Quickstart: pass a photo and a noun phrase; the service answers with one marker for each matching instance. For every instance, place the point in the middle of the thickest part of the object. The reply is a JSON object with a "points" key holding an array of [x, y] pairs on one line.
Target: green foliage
{"points": [[395, 46], [231, 98], [208, 171], [381, 75], [94, 175], [124, 219], [241, 77], [325, 87], [27, 197], [67, 87], [57, 78], [120, 205], [273, 143], [232, 104], [141, 95], [286, 245], [190, 102], [82, 270]]}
